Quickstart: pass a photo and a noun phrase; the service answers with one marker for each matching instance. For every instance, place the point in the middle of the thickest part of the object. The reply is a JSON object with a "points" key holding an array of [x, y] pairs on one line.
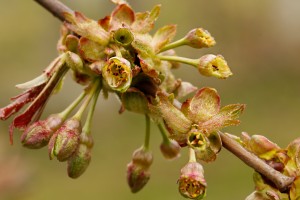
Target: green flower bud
{"points": [[81, 158], [79, 161], [214, 65], [65, 140], [74, 61], [199, 38], [170, 149], [39, 133], [191, 182], [135, 101], [72, 43], [123, 36], [117, 74]]}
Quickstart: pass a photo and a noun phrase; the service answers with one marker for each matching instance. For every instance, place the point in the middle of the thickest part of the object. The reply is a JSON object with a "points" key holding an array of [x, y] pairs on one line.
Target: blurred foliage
{"points": [[259, 39]]}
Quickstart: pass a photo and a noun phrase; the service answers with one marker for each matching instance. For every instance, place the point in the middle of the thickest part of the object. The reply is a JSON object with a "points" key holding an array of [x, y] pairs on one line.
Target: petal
{"points": [[144, 22], [293, 151], [142, 44], [295, 189], [263, 147], [204, 105], [122, 16], [86, 27], [19, 101], [226, 117], [104, 23], [22, 120], [184, 89], [215, 142], [173, 117], [163, 36], [90, 50], [119, 1]]}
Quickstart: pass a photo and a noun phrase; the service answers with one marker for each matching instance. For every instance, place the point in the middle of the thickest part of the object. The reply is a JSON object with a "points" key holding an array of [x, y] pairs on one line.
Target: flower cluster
{"points": [[117, 54]]}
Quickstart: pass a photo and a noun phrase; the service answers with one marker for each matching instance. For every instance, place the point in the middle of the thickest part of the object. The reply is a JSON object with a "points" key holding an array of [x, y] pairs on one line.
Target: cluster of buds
{"points": [[117, 55], [284, 160]]}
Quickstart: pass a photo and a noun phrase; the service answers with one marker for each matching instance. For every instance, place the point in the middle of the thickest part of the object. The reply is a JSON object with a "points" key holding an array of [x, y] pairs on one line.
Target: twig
{"points": [[55, 7], [281, 181]]}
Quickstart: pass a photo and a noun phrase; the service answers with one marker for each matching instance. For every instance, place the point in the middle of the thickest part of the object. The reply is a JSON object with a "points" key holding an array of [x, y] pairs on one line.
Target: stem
{"points": [[189, 61], [281, 181], [192, 155], [147, 136], [55, 7], [117, 50], [163, 133], [91, 92], [89, 119], [71, 107], [173, 45]]}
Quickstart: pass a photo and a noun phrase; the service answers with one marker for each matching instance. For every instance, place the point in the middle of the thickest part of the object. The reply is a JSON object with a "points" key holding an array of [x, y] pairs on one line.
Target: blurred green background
{"points": [[259, 39]]}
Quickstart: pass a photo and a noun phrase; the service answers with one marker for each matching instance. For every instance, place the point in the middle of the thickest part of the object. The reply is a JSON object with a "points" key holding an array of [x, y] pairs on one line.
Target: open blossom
{"points": [[117, 74], [197, 121]]}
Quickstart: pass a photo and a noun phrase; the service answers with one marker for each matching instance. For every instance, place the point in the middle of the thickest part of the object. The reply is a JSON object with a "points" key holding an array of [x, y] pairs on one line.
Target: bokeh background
{"points": [[259, 39]]}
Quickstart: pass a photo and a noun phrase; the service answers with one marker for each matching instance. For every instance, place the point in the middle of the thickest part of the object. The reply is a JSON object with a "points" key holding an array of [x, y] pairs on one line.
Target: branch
{"points": [[55, 7], [281, 181]]}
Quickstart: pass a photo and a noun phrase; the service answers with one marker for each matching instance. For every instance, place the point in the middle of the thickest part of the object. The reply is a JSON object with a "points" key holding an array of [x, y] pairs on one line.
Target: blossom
{"points": [[197, 121]]}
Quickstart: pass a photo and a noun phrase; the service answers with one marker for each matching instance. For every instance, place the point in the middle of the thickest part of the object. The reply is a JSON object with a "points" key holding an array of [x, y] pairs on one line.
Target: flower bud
{"points": [[199, 38], [79, 161], [142, 158], [135, 101], [74, 61], [191, 182], [214, 65], [39, 133], [65, 140], [72, 43], [117, 74], [123, 36], [170, 149], [138, 169], [137, 177]]}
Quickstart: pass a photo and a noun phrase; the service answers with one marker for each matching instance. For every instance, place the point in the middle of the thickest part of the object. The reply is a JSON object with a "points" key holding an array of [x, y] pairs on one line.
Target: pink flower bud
{"points": [[137, 177], [65, 140], [39, 133], [142, 158], [170, 150], [191, 182], [138, 169]]}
